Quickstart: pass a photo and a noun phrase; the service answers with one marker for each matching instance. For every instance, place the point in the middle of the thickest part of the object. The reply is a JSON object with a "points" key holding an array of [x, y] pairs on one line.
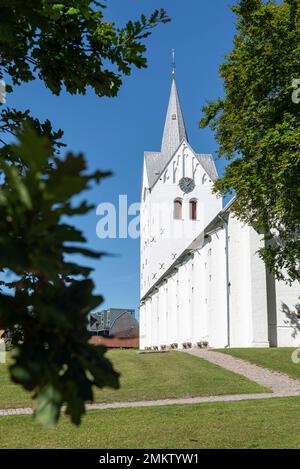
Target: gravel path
{"points": [[281, 384], [278, 382], [164, 402]]}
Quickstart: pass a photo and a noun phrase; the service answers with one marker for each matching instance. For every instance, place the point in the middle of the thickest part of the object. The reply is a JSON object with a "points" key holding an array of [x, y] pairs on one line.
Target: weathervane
{"points": [[173, 63]]}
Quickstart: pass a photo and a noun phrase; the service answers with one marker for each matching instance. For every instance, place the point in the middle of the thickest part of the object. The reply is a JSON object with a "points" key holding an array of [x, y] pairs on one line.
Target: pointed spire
{"points": [[173, 63], [174, 130]]}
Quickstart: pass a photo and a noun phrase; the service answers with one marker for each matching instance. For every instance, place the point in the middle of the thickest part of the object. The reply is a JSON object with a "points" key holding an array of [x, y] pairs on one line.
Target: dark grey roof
{"points": [[106, 319]]}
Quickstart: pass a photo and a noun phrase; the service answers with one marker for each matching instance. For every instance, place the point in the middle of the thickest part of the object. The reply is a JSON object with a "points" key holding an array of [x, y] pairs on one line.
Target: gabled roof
{"points": [[174, 134], [155, 165], [208, 164]]}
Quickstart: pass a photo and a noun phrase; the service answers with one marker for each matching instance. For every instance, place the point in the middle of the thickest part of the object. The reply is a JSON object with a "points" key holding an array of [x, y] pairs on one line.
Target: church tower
{"points": [[202, 281], [177, 199]]}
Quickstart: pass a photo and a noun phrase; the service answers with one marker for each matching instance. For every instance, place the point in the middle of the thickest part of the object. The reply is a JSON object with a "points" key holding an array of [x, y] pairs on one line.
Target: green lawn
{"points": [[278, 359], [152, 376], [10, 394], [269, 423]]}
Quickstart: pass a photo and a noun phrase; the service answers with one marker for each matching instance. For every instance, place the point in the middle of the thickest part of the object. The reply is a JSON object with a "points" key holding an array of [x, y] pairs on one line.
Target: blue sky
{"points": [[114, 133]]}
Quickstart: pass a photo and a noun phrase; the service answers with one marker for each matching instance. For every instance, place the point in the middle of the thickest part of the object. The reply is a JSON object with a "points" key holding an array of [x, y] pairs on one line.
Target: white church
{"points": [[202, 281]]}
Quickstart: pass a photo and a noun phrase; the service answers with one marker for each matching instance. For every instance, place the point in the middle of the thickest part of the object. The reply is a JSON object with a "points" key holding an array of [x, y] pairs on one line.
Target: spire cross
{"points": [[173, 63]]}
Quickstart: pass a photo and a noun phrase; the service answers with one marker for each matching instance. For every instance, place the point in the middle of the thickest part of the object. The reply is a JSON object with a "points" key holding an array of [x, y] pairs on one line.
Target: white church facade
{"points": [[202, 281]]}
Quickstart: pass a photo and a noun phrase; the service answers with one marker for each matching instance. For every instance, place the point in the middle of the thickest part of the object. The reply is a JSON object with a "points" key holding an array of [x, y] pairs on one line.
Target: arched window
{"points": [[193, 209], [178, 209]]}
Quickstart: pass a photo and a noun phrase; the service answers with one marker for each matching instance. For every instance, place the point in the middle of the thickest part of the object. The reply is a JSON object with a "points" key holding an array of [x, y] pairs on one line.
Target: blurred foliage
{"points": [[257, 126], [45, 298], [69, 43]]}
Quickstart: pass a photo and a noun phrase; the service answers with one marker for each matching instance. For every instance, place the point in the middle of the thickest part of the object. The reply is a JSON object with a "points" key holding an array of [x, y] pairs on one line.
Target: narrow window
{"points": [[193, 209], [178, 209], [204, 180]]}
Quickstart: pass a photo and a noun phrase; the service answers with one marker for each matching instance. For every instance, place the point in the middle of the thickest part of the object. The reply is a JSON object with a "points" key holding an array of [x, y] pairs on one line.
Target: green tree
{"points": [[66, 44], [257, 127]]}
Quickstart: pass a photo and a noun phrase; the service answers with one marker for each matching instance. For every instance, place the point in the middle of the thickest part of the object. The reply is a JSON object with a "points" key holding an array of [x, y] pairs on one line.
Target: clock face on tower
{"points": [[186, 185]]}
